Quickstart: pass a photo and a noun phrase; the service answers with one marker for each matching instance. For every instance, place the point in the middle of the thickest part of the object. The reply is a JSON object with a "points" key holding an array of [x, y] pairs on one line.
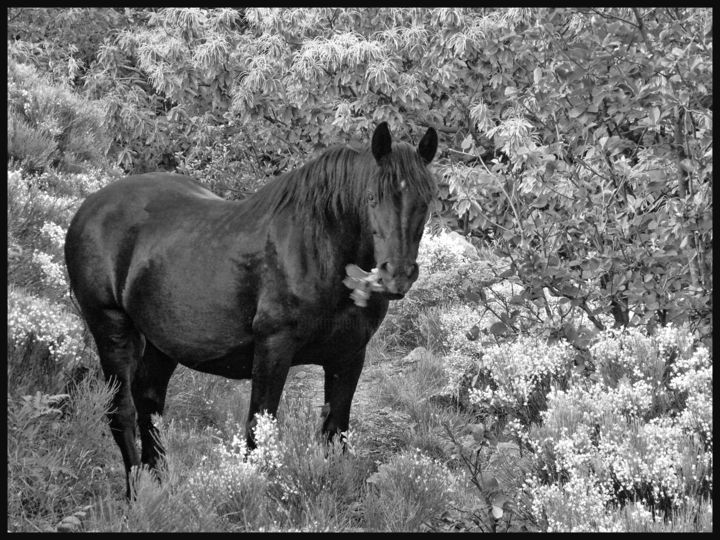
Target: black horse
{"points": [[166, 272]]}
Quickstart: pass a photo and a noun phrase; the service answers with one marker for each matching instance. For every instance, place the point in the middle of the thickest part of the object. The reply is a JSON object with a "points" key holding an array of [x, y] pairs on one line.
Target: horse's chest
{"points": [[337, 334]]}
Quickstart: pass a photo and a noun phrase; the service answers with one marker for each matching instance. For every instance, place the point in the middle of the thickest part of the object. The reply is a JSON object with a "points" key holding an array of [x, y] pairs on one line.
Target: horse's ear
{"points": [[428, 145], [381, 141]]}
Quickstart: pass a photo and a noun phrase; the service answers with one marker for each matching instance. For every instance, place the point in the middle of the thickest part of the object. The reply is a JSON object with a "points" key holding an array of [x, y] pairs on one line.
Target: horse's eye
{"points": [[371, 199]]}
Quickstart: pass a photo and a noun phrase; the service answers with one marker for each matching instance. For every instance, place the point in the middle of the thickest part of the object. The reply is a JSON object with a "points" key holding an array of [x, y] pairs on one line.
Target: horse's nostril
{"points": [[388, 267], [412, 270]]}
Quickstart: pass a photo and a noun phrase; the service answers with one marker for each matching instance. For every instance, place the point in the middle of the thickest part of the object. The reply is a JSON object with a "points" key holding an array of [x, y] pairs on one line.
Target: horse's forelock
{"points": [[405, 170]]}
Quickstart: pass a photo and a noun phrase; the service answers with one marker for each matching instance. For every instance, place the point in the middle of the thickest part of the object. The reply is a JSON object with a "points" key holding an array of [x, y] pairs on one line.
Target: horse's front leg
{"points": [[271, 363], [341, 378]]}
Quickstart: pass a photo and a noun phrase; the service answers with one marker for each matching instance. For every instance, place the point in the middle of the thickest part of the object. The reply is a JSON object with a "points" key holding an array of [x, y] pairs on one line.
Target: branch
{"points": [[471, 156], [589, 168], [18, 12], [451, 129], [507, 196], [593, 319], [641, 27], [608, 16]]}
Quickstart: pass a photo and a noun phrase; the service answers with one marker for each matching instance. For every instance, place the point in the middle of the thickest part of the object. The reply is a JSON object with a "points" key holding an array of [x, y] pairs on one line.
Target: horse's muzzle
{"points": [[397, 277]]}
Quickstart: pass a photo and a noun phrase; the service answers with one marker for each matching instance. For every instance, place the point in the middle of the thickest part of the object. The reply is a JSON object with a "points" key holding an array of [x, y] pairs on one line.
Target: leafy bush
{"points": [[61, 42], [28, 145], [222, 164], [596, 194], [60, 127]]}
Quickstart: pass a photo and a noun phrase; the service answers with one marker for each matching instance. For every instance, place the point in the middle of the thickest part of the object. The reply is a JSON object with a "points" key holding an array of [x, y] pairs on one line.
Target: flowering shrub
{"points": [[269, 449], [636, 429], [53, 272], [454, 322], [627, 353], [233, 485], [578, 505], [54, 234], [691, 377], [293, 478], [519, 373], [511, 377], [80, 184], [35, 320], [31, 205]]}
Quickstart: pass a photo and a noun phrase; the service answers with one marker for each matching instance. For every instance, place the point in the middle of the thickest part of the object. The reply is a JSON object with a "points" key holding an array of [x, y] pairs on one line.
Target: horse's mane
{"points": [[335, 185]]}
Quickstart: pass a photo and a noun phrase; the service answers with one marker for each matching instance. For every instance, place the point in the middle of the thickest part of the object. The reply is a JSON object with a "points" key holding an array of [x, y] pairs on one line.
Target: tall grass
{"points": [[59, 450]]}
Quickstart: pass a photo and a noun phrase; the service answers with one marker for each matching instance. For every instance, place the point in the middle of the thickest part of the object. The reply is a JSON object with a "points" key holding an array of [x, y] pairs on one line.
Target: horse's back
{"points": [[134, 193], [102, 232]]}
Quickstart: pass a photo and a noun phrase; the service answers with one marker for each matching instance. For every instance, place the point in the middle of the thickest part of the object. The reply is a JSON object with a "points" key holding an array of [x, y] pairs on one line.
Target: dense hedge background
{"points": [[579, 141]]}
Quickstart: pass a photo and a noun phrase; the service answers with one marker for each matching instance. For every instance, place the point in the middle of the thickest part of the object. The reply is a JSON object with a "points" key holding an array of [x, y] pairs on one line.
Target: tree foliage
{"points": [[577, 142]]}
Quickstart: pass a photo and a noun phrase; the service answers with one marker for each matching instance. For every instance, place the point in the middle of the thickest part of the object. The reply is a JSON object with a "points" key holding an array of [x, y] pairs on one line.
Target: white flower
{"points": [[53, 272]]}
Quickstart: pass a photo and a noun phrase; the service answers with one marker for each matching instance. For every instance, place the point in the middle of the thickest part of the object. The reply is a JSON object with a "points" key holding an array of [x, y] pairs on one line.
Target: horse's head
{"points": [[398, 206]]}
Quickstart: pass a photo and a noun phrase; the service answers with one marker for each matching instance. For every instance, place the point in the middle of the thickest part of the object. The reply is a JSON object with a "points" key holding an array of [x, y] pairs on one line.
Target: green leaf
{"points": [[467, 142], [490, 484], [540, 202], [507, 273], [537, 75], [477, 431], [498, 329]]}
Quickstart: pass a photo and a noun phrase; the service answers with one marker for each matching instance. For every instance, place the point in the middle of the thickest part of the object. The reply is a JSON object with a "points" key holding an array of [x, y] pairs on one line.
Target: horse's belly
{"points": [[188, 307], [193, 335], [236, 364], [193, 330]]}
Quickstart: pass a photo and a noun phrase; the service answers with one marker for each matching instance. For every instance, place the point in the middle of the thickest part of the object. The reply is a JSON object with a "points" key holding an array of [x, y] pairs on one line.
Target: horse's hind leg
{"points": [[119, 347], [149, 387]]}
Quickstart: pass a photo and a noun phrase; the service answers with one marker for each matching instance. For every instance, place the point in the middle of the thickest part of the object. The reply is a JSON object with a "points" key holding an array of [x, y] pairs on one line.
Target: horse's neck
{"points": [[347, 242], [338, 240], [333, 244]]}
